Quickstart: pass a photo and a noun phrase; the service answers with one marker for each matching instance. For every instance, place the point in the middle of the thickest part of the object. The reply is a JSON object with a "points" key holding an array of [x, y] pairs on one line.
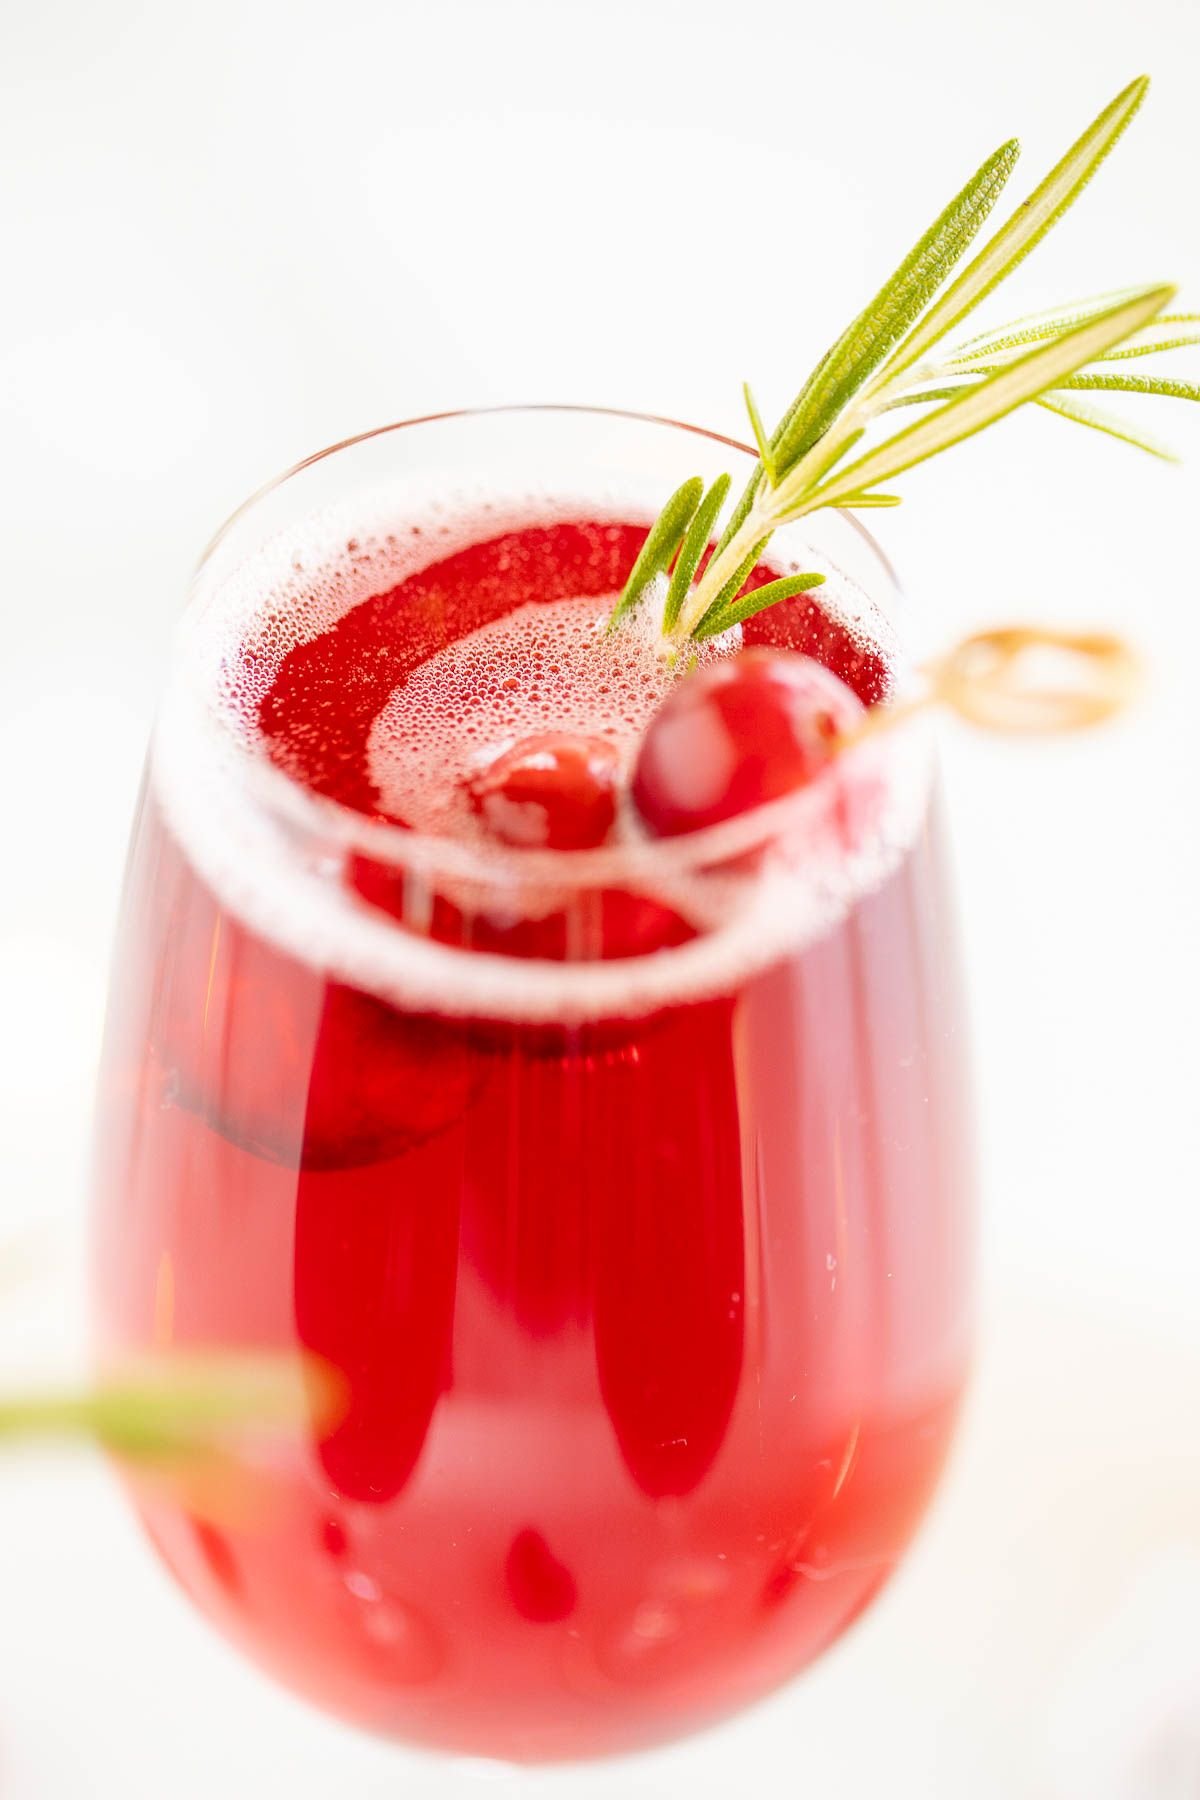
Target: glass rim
{"points": [[632, 860]]}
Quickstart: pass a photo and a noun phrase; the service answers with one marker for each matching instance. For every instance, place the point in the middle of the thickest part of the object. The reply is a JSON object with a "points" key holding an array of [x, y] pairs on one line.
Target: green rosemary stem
{"points": [[893, 355], [758, 524], [770, 507]]}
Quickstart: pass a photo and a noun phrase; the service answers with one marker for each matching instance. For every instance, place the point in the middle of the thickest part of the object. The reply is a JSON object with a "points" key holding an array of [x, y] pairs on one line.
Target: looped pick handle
{"points": [[1026, 678]]}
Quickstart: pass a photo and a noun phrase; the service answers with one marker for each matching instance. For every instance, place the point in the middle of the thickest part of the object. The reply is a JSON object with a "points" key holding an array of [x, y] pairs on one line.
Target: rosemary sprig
{"points": [[884, 323], [883, 361], [665, 538], [1009, 340], [692, 549], [178, 1406], [998, 393], [725, 613], [1099, 419]]}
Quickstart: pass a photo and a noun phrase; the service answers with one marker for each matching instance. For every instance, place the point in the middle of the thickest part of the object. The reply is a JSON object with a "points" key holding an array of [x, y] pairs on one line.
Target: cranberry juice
{"points": [[652, 1306]]}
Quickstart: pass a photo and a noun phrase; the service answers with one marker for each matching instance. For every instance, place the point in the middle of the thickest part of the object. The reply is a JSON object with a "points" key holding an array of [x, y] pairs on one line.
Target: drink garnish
{"points": [[737, 734], [552, 791], [892, 356], [751, 728], [181, 1406], [1020, 679]]}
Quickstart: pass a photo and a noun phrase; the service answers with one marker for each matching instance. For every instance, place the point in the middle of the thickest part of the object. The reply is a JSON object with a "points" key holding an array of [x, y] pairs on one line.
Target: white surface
{"points": [[239, 232]]}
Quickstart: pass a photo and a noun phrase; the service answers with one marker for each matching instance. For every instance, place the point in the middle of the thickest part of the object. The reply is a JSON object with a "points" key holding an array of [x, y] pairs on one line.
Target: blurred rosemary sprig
{"points": [[170, 1406], [889, 357], [176, 1406]]}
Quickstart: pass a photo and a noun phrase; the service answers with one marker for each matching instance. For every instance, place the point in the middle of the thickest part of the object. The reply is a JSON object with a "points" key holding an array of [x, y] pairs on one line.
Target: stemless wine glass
{"points": [[628, 1189]]}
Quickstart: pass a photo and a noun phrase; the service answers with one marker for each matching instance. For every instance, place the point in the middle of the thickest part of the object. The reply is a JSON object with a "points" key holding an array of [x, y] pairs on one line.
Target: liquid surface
{"points": [[303, 653], [547, 665], [393, 705], [653, 1322]]}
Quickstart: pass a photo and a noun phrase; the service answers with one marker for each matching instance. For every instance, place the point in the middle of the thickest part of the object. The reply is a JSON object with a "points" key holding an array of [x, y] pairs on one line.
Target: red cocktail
{"points": [[626, 1183]]}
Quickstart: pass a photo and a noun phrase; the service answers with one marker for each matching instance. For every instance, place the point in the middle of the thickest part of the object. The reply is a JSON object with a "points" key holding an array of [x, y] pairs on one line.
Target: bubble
{"points": [[452, 716], [362, 1586]]}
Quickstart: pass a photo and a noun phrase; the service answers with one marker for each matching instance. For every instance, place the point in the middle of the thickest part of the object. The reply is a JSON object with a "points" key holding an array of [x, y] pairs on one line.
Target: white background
{"points": [[237, 232]]}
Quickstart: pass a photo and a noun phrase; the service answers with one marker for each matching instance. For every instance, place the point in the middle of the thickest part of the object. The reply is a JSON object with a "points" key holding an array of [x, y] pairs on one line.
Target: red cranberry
{"points": [[550, 792], [736, 734], [294, 1068], [542, 1588]]}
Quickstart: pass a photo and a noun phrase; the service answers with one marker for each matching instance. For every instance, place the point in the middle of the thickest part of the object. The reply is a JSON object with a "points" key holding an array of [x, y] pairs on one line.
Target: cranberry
{"points": [[542, 1588], [290, 1066], [736, 734], [550, 792]]}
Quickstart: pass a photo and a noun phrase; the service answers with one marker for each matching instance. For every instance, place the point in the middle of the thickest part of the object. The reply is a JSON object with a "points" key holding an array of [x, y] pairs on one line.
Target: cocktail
{"points": [[537, 1002]]}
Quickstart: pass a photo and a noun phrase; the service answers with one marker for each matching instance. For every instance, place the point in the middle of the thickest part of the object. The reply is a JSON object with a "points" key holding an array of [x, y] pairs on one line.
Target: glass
{"points": [[643, 1243]]}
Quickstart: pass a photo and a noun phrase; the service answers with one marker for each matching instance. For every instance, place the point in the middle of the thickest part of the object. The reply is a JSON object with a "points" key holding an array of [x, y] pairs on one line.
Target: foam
{"points": [[548, 665], [209, 772]]}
